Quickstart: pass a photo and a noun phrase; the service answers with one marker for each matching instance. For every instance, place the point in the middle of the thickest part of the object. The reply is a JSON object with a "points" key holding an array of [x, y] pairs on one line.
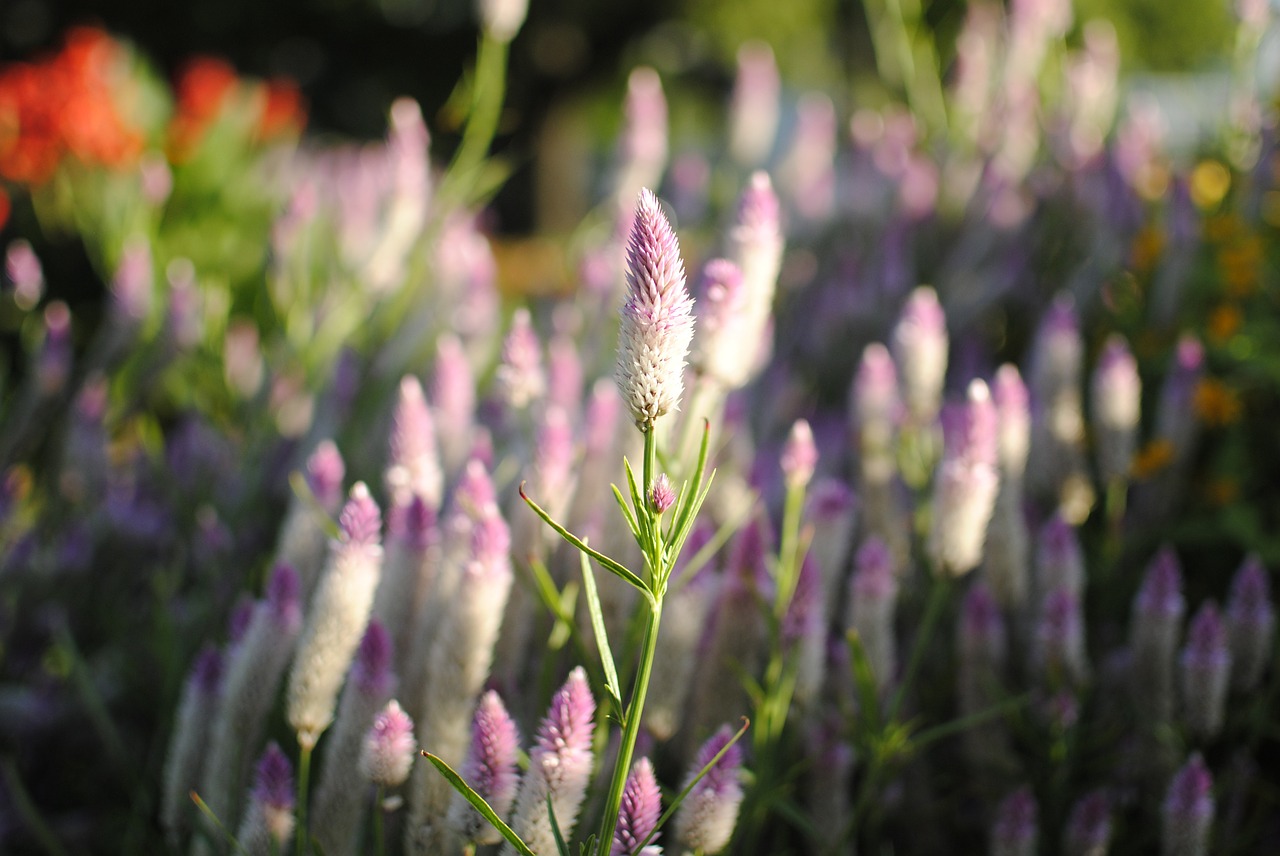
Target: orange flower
{"points": [[1224, 322], [1215, 403], [1146, 249], [1152, 458], [202, 89], [5, 207], [282, 110]]}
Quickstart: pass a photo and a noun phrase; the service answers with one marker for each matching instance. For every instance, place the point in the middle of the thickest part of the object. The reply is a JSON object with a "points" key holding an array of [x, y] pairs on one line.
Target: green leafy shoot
{"points": [[479, 803]]}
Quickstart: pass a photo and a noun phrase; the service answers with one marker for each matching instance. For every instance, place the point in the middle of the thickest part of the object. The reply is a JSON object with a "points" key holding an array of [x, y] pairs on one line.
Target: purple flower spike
{"points": [[1060, 638], [799, 455], [1206, 668], [133, 286], [982, 629], [559, 766], [1015, 830], [1117, 393], [657, 318], [662, 495], [273, 793], [1088, 831], [1013, 404], [284, 597], [325, 471], [520, 377], [54, 364], [491, 769], [919, 346], [206, 672], [491, 541], [1157, 620], [361, 519], [1188, 811], [238, 622], [1059, 562], [706, 818], [876, 407], [722, 306], [1251, 620], [638, 815], [966, 483], [372, 669], [413, 466], [389, 747]]}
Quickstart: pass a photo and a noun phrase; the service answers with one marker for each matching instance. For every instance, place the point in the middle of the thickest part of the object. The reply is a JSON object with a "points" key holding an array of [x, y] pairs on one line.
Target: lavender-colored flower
{"points": [[638, 814], [873, 602], [966, 483], [520, 377], [389, 747], [662, 495], [706, 818], [803, 628], [643, 144], [1117, 393], [413, 465], [269, 819], [453, 400], [339, 612], [1251, 622], [919, 345], [1060, 650], [722, 317], [133, 286], [1188, 811], [832, 510], [564, 374], [1157, 620], [982, 641], [490, 769], [1206, 668], [753, 109], [325, 471], [22, 267], [657, 318], [187, 746], [1016, 826], [559, 767], [1014, 407], [1057, 434], [875, 405], [1088, 831], [799, 455], [1059, 561], [1175, 414], [755, 246], [53, 366], [807, 173]]}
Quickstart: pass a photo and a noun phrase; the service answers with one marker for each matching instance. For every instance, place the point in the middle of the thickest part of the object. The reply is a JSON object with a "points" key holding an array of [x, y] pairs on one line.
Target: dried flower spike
{"points": [[657, 318]]}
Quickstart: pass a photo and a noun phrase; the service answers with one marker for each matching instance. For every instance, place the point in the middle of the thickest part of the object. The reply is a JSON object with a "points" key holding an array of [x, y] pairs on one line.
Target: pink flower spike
{"points": [[799, 455], [657, 318], [641, 806], [491, 770], [389, 747]]}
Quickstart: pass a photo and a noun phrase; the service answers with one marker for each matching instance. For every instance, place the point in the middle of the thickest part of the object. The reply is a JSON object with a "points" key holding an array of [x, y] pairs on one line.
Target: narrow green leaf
{"points": [[602, 635], [565, 627], [608, 564], [302, 491], [480, 805], [864, 680], [681, 530], [964, 723], [626, 512], [642, 515], [555, 829], [675, 804], [217, 824]]}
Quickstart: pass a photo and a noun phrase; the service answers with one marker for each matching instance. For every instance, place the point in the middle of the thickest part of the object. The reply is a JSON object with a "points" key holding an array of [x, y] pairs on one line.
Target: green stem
{"points": [[609, 820], [304, 775], [937, 600], [789, 550], [379, 837], [482, 124]]}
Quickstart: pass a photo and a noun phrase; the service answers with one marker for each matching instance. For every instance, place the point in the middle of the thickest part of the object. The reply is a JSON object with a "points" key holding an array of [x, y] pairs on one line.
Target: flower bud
{"points": [[661, 495]]}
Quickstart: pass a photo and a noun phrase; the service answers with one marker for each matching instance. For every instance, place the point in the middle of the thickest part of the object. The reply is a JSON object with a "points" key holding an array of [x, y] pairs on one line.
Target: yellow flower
{"points": [[1146, 249]]}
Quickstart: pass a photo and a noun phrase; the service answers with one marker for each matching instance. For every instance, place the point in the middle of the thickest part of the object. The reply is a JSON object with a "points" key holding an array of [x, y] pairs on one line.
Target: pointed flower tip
{"points": [[361, 519], [372, 668], [325, 471]]}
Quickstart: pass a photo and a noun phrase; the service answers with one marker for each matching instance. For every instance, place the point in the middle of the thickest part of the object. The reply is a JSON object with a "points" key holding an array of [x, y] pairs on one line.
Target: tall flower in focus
{"points": [[657, 318]]}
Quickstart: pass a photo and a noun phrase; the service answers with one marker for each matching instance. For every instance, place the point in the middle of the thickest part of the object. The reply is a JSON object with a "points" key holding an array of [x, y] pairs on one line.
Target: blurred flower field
{"points": [[886, 470]]}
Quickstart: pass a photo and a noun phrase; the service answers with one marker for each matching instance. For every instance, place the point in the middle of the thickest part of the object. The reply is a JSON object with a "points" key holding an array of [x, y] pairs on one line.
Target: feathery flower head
{"points": [[273, 792], [1088, 831], [920, 346], [133, 286], [966, 483], [706, 818], [638, 814], [474, 494], [520, 377], [722, 321], [453, 388], [799, 455], [413, 466], [758, 216], [325, 471], [491, 540], [1188, 810], [414, 524], [1206, 669], [1013, 404], [1117, 394], [657, 317], [389, 747], [1252, 620], [372, 671], [361, 519], [1160, 595], [644, 134], [662, 495], [491, 768], [1015, 830], [568, 724]]}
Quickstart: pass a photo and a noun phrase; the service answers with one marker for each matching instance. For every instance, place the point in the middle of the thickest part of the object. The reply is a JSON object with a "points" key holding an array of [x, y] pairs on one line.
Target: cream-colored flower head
{"points": [[657, 317]]}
